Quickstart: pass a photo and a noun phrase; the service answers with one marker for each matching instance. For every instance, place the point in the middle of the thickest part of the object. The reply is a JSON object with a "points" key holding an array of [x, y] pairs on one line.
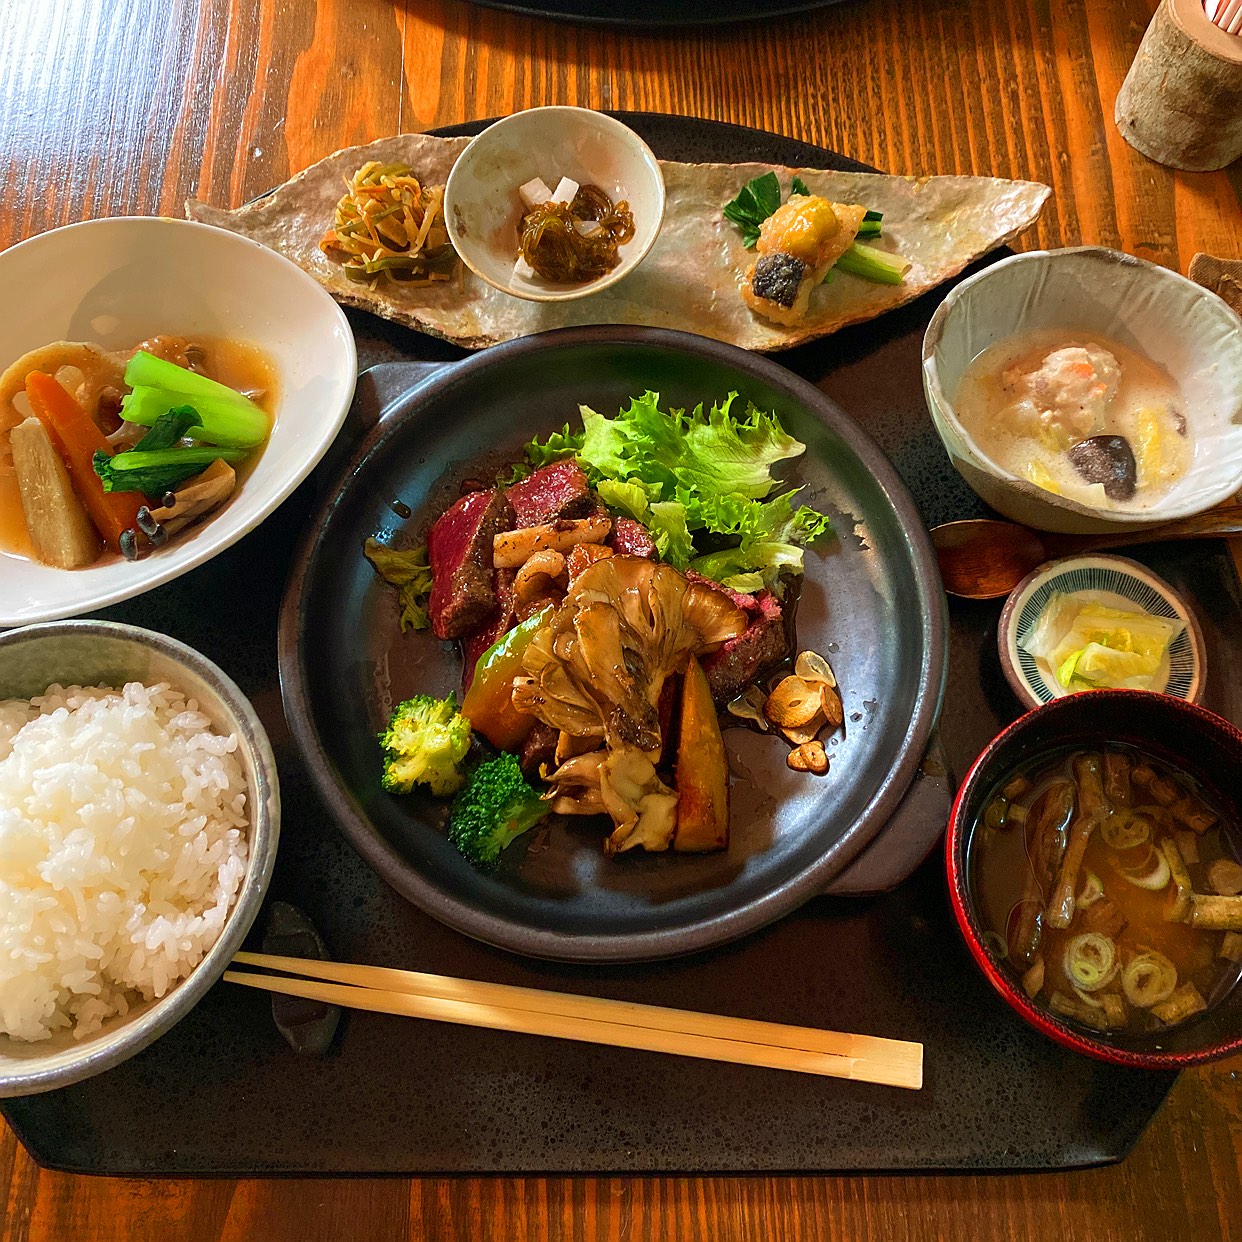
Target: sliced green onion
{"points": [[1152, 877], [1092, 891], [1124, 832], [1090, 961], [875, 265], [1149, 979]]}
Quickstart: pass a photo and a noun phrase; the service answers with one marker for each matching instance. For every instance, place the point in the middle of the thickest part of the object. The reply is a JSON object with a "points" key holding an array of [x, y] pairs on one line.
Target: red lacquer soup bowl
{"points": [[1203, 745]]}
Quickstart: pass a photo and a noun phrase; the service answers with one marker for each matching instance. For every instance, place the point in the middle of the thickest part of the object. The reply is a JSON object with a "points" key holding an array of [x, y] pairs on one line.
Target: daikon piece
{"points": [[534, 193], [60, 531]]}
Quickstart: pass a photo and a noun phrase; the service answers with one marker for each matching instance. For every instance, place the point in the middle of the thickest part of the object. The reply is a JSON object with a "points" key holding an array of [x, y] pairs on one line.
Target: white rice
{"points": [[122, 848]]}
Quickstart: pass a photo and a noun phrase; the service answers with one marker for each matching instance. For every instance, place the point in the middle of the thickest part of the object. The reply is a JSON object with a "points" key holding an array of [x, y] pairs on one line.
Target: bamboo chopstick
{"points": [[593, 1019]]}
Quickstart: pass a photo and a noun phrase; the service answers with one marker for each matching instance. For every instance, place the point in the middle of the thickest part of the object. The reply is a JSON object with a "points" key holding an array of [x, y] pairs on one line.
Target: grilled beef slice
{"points": [[630, 538], [477, 642], [746, 658], [459, 548], [551, 492], [538, 749]]}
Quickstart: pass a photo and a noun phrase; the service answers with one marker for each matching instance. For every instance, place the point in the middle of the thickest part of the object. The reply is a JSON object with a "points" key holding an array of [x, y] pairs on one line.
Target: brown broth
{"points": [[238, 364], [1004, 863]]}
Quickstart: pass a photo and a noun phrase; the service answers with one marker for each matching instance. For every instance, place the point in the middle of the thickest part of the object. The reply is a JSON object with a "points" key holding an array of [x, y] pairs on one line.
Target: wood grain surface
{"points": [[110, 107]]}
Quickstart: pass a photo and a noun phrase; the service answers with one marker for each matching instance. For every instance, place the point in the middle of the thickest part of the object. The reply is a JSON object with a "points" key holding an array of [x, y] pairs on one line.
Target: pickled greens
{"points": [[1088, 645]]}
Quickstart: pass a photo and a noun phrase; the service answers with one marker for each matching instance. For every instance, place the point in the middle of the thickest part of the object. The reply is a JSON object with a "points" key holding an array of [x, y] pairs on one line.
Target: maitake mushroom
{"points": [[596, 671]]}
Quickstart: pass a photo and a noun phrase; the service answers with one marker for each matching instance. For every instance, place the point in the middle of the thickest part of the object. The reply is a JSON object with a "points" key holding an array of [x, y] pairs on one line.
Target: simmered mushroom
{"points": [[1108, 460], [626, 623], [596, 671], [191, 500]]}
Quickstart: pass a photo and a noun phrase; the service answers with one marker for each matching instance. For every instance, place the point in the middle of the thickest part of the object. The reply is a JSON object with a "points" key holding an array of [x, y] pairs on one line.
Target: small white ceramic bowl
{"points": [[1115, 582], [105, 653], [1179, 325], [482, 209], [118, 281]]}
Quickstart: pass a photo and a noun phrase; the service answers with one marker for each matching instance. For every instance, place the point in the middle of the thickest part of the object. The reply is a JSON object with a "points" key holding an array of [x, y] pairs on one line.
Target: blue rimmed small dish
{"points": [[1116, 582]]}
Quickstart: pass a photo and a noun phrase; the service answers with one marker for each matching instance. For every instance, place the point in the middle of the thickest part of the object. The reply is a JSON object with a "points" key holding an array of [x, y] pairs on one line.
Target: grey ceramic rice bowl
{"points": [[105, 653]]}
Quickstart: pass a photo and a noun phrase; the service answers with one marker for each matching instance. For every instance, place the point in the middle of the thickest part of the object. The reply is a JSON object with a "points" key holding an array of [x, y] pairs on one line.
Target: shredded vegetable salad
{"points": [[390, 225]]}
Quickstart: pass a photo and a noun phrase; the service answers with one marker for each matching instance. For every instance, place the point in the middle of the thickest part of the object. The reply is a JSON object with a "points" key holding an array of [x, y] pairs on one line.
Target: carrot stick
{"points": [[77, 439]]}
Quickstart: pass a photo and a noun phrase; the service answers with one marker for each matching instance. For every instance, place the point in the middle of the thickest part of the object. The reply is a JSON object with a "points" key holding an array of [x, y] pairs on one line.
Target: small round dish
{"points": [[482, 209], [1116, 582], [1189, 332], [1199, 742], [106, 653], [120, 281]]}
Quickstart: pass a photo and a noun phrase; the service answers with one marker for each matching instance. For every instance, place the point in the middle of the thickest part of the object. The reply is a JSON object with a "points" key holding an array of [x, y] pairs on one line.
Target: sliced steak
{"points": [[459, 549], [538, 749], [746, 658], [551, 492], [630, 538], [475, 644]]}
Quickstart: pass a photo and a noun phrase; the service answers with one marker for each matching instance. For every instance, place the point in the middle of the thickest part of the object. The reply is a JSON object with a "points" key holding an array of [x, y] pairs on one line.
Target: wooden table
{"points": [[110, 107]]}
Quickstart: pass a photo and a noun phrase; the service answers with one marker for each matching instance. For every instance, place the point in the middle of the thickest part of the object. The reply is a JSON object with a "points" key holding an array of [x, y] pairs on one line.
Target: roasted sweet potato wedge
{"points": [[702, 770]]}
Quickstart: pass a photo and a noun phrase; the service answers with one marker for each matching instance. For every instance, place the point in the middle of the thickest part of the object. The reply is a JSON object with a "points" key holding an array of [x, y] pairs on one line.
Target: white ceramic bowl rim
{"points": [[114, 581], [1165, 510], [633, 252], [32, 1073]]}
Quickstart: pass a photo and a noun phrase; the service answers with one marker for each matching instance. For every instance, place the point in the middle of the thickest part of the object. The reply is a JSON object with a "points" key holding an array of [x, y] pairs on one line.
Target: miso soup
{"points": [[1109, 883]]}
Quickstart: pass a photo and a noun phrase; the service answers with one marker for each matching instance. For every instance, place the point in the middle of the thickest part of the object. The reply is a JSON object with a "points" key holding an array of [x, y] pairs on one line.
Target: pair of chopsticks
{"points": [[1227, 14], [591, 1019]]}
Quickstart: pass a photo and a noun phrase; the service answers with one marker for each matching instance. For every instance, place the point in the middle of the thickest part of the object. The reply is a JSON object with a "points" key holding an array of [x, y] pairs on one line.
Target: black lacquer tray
{"points": [[222, 1094]]}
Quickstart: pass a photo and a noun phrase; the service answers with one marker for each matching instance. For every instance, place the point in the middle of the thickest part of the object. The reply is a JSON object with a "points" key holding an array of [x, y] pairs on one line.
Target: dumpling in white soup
{"points": [[1066, 397], [1080, 416]]}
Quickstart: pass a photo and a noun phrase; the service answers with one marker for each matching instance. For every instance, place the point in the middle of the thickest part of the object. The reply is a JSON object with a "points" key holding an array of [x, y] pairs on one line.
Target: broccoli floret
{"points": [[496, 806], [425, 744]]}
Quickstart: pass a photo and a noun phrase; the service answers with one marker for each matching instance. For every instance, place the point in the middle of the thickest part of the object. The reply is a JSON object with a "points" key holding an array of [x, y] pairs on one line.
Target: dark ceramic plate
{"points": [[658, 12], [871, 601]]}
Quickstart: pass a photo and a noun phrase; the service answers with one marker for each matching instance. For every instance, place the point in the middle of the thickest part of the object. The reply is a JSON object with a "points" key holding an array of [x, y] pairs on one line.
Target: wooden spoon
{"points": [[985, 559]]}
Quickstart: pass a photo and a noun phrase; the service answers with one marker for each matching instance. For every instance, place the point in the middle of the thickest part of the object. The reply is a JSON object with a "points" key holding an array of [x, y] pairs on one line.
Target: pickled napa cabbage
{"points": [[1089, 645]]}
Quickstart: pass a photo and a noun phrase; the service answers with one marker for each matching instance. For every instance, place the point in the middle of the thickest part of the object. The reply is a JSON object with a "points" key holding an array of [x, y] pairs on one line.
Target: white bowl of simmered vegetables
{"points": [[553, 204], [165, 386], [1095, 869], [1085, 390]]}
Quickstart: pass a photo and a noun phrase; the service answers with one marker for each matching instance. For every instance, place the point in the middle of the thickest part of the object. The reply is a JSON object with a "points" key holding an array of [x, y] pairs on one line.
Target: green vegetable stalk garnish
{"points": [[874, 265], [155, 472], [169, 430], [227, 417], [494, 809], [702, 473], [410, 573], [758, 199]]}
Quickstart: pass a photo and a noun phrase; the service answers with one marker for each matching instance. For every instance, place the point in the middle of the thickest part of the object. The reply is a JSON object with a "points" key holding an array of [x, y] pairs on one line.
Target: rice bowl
{"points": [[137, 836]]}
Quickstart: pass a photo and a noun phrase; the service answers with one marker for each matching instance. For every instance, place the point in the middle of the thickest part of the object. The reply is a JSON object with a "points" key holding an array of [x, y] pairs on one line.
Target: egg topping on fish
{"points": [[798, 244]]}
